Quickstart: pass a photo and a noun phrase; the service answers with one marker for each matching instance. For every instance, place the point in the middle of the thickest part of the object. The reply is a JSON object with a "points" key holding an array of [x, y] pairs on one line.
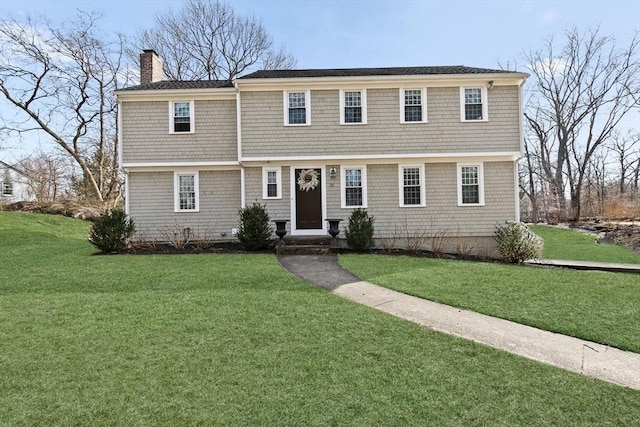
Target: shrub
{"points": [[517, 243], [111, 231], [359, 232], [254, 232]]}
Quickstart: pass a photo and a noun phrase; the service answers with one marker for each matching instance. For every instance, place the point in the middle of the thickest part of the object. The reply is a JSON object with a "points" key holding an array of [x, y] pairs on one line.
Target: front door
{"points": [[308, 184]]}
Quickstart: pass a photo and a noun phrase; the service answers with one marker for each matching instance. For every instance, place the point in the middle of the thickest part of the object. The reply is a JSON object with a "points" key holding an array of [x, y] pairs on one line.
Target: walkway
{"points": [[585, 357], [587, 265]]}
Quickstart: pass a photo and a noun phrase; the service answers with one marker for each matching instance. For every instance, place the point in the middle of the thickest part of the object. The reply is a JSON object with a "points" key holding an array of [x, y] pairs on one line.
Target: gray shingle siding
{"points": [[264, 135], [151, 204], [146, 136]]}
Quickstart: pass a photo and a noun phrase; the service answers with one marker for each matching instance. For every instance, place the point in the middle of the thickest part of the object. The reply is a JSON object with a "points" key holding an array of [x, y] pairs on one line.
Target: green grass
{"points": [[573, 245], [235, 340], [597, 306]]}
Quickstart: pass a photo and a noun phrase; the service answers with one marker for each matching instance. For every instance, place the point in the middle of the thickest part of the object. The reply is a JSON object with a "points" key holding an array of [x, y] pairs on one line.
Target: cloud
{"points": [[548, 16]]}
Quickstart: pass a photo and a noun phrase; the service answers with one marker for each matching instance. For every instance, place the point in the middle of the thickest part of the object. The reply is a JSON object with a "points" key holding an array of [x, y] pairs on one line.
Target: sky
{"points": [[379, 33], [382, 33]]}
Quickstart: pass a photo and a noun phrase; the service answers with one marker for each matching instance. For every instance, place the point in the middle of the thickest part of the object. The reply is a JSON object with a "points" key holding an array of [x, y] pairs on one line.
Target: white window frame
{"points": [[423, 104], [485, 104], [176, 190], [265, 176], [307, 107], [192, 119], [480, 167], [9, 185], [343, 187], [423, 201], [363, 106]]}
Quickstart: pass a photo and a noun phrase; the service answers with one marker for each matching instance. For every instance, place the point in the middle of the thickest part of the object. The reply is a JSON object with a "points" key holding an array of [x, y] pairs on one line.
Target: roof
{"points": [[319, 72], [181, 84], [8, 166], [360, 72]]}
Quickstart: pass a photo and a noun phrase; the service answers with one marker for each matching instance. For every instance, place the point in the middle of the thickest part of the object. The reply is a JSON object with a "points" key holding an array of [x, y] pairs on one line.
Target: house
{"points": [[14, 185], [431, 152]]}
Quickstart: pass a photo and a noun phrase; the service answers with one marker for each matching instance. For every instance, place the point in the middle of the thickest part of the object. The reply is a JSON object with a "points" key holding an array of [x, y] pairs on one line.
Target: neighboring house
{"points": [[428, 151], [13, 185]]}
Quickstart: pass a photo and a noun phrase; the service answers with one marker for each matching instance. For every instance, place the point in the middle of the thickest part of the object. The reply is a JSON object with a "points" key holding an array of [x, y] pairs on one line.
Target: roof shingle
{"points": [[360, 72], [182, 84]]}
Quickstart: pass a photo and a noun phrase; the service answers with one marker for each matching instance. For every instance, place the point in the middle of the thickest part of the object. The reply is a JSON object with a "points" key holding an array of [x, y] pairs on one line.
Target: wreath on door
{"points": [[308, 180]]}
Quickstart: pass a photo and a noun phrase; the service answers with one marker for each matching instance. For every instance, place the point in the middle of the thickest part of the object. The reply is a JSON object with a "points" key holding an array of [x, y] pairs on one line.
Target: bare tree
{"points": [[208, 40], [46, 175], [60, 82], [582, 91], [625, 148]]}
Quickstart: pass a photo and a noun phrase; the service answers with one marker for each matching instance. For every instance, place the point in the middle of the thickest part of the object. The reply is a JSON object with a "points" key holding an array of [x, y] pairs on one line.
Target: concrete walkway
{"points": [[585, 357], [587, 265]]}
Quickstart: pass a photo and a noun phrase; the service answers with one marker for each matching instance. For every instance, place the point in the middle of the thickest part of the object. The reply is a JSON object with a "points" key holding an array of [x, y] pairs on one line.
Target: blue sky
{"points": [[370, 33], [380, 33]]}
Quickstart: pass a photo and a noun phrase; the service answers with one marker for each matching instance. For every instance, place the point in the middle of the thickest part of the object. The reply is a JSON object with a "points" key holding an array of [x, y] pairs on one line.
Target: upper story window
{"points": [[353, 106], [473, 104], [411, 183], [297, 110], [186, 192], [354, 186], [413, 105], [470, 184], [272, 183], [182, 120], [7, 188]]}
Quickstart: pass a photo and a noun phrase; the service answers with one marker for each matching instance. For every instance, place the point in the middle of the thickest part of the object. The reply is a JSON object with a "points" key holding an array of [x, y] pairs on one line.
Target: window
{"points": [[297, 110], [473, 104], [186, 189], [7, 188], [353, 106], [470, 185], [412, 105], [181, 114], [411, 180], [271, 183], [354, 186]]}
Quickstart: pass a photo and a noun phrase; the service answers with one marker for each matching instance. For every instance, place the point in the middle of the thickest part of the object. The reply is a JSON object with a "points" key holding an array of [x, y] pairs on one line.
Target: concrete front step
{"points": [[306, 249]]}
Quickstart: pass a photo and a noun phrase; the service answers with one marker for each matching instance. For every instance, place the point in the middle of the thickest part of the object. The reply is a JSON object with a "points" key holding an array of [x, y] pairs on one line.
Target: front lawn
{"points": [[236, 340], [560, 243], [597, 306]]}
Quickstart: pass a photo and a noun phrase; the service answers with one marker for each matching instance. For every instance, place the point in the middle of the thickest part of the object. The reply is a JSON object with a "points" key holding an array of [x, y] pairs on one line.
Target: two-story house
{"points": [[426, 150]]}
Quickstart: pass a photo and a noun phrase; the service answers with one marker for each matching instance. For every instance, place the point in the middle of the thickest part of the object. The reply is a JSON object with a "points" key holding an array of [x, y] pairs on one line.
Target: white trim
{"points": [[343, 188], [192, 117], [178, 164], [485, 104], [203, 94], [307, 107], [127, 208], [423, 201], [363, 106], [423, 104], [176, 190], [480, 167], [265, 176], [239, 124], [516, 189], [243, 192], [380, 82], [440, 157], [119, 119], [292, 192]]}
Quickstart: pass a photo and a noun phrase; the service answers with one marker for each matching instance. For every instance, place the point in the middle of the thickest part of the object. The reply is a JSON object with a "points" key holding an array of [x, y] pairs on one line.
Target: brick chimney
{"points": [[150, 67]]}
